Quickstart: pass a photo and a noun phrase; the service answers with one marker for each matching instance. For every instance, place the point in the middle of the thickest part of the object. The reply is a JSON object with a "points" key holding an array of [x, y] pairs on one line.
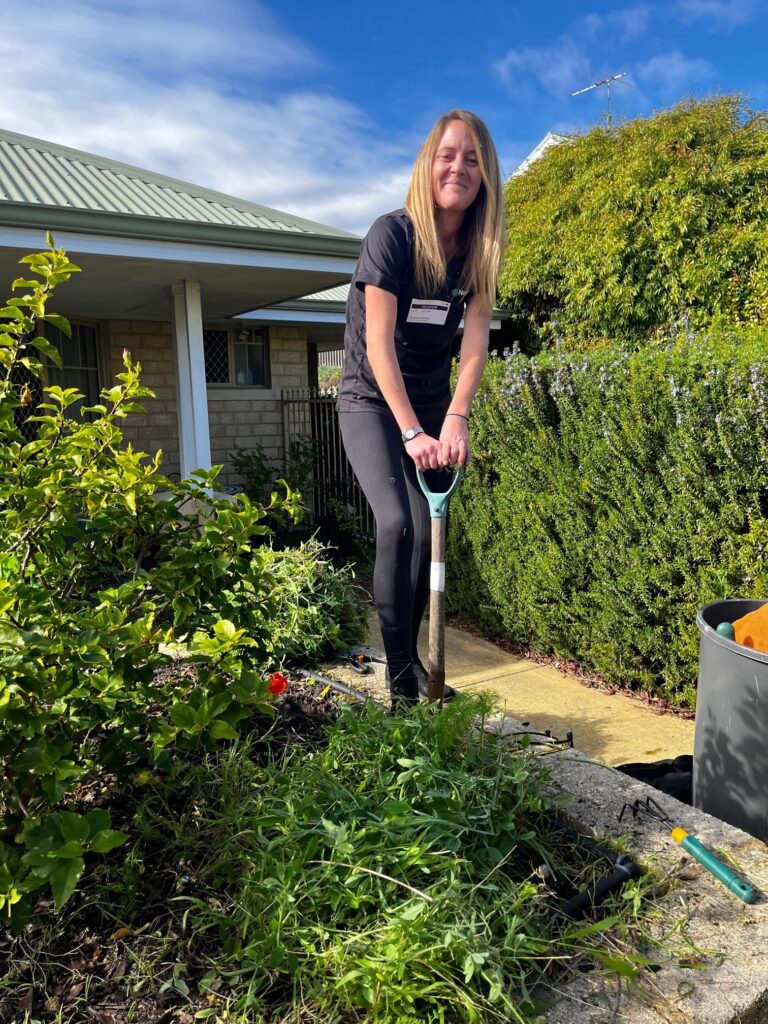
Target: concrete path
{"points": [[613, 729]]}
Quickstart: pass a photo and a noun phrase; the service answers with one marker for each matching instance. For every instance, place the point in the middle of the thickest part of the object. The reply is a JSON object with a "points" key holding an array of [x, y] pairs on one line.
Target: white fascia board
{"points": [[293, 316], [31, 239]]}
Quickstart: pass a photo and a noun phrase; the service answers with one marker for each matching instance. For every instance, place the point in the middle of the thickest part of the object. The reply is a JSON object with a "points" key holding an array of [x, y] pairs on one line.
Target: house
{"points": [[549, 140], [225, 303], [182, 276]]}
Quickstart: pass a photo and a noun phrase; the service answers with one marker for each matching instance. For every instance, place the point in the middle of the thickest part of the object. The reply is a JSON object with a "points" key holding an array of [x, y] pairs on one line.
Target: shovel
{"points": [[438, 510]]}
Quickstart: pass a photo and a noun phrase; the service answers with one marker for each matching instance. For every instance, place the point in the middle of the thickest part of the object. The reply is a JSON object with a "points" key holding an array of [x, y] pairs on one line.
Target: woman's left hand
{"points": [[454, 441]]}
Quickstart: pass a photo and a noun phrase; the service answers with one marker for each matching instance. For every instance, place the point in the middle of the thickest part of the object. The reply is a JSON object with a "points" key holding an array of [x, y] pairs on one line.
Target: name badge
{"points": [[428, 311]]}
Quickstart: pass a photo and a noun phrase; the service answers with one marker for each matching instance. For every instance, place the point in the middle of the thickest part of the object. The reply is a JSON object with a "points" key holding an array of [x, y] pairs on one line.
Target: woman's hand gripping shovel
{"points": [[438, 511]]}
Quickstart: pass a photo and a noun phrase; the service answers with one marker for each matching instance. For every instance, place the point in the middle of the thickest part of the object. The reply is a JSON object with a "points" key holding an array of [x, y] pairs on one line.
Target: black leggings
{"points": [[387, 476]]}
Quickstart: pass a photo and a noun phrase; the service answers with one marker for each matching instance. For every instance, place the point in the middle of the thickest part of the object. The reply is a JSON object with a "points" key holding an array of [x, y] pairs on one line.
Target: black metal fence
{"points": [[311, 430]]}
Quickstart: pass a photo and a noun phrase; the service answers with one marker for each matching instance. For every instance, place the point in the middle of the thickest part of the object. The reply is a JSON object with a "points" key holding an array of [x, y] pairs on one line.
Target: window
{"points": [[79, 369], [238, 357], [79, 362]]}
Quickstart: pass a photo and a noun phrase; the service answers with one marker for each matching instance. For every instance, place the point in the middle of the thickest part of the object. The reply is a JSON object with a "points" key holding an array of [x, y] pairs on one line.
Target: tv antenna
{"points": [[607, 83]]}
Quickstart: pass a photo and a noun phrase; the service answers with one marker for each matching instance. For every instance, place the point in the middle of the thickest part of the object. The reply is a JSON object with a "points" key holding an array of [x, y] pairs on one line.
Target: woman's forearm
{"points": [[472, 358], [380, 320]]}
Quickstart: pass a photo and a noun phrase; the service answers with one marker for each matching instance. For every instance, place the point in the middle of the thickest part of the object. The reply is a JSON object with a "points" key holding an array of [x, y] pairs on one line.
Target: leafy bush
{"points": [[611, 495], [102, 580], [621, 231], [328, 377], [253, 466], [260, 476]]}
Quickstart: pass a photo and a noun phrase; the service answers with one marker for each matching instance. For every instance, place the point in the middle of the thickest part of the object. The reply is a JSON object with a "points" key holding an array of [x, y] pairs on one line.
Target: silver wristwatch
{"points": [[410, 433]]}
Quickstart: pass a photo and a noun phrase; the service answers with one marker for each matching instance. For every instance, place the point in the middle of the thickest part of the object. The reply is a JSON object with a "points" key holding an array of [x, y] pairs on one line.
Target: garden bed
{"points": [[118, 952], [368, 839]]}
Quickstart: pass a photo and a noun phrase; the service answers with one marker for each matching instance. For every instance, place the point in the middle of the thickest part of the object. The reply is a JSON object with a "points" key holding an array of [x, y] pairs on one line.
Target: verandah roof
{"points": [[134, 232]]}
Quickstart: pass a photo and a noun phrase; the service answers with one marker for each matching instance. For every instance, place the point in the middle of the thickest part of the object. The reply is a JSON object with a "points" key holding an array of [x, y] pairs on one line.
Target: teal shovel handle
{"points": [[438, 503], [731, 881]]}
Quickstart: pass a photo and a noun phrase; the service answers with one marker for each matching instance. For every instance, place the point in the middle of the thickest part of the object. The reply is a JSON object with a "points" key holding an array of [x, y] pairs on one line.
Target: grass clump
{"points": [[395, 875], [315, 607]]}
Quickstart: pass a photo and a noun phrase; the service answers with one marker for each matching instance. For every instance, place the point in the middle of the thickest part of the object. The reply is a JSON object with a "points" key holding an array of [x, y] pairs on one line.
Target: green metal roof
{"points": [[41, 181], [337, 294]]}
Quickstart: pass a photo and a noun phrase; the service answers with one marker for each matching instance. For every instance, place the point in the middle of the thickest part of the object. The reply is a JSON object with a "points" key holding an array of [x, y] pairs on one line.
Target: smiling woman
{"points": [[456, 176], [420, 271]]}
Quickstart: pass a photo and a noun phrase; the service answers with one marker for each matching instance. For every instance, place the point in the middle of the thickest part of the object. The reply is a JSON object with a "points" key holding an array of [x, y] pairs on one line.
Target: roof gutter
{"points": [[54, 218]]}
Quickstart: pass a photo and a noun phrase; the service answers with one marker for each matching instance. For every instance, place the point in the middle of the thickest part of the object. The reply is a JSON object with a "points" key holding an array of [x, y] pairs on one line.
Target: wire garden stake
{"points": [[650, 809], [438, 511]]}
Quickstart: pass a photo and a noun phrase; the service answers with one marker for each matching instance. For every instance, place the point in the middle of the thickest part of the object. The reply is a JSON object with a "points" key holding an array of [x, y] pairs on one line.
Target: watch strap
{"points": [[410, 432]]}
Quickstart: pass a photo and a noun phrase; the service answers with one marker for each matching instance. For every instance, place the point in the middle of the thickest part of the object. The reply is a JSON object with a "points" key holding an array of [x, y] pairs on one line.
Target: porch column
{"points": [[191, 397]]}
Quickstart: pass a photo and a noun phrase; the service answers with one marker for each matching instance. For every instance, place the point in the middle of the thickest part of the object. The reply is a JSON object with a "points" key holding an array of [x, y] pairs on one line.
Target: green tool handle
{"points": [[708, 860], [438, 501]]}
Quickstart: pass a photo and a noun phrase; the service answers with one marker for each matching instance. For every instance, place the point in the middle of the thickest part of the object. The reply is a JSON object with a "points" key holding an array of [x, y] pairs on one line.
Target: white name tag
{"points": [[428, 311]]}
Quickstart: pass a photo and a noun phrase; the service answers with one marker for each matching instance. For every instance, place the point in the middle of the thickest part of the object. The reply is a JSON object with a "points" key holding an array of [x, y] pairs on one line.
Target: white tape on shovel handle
{"points": [[437, 576]]}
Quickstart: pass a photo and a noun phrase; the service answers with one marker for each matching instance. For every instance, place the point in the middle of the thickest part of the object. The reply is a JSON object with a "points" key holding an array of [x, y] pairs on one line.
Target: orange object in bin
{"points": [[752, 629]]}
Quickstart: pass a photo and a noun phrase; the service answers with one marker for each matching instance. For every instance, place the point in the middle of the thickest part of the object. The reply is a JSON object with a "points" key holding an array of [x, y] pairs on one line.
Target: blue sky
{"points": [[319, 109]]}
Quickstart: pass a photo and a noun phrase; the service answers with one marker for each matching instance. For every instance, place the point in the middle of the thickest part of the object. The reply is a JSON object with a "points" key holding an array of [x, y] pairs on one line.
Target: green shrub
{"points": [[621, 231], [253, 466], [101, 581], [260, 477], [611, 495]]}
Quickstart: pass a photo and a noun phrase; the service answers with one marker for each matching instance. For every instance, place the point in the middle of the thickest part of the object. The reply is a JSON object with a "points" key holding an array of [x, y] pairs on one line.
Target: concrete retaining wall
{"points": [[723, 977]]}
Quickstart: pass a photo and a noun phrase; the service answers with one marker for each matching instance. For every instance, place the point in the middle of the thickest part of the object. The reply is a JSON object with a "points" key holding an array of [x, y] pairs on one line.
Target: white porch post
{"points": [[191, 397]]}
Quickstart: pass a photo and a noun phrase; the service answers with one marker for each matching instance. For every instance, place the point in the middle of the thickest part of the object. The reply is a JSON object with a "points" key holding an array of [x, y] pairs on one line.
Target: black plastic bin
{"points": [[730, 758]]}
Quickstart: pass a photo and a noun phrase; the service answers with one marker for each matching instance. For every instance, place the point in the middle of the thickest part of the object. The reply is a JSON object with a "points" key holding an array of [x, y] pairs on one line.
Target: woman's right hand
{"points": [[425, 451]]}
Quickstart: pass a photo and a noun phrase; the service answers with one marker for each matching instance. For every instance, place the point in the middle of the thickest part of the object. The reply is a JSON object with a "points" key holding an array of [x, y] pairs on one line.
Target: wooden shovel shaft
{"points": [[438, 510], [436, 667]]}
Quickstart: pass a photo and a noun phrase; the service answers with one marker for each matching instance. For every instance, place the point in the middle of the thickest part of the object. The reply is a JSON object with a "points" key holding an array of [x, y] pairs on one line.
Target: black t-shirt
{"points": [[424, 331]]}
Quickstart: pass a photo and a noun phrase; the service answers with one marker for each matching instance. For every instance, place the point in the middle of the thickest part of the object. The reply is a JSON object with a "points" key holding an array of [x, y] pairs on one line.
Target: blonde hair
{"points": [[482, 234]]}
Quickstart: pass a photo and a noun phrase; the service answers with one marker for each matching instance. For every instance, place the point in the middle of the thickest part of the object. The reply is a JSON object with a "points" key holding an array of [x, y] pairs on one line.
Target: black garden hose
{"points": [[624, 869]]}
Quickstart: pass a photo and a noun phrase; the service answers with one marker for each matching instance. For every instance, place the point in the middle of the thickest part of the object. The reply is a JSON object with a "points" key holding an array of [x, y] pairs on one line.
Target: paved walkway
{"points": [[613, 729]]}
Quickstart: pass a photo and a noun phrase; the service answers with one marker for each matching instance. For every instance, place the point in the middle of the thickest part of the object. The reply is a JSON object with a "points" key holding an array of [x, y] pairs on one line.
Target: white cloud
{"points": [[725, 14], [558, 69], [188, 91], [673, 71], [158, 38], [566, 65], [614, 26]]}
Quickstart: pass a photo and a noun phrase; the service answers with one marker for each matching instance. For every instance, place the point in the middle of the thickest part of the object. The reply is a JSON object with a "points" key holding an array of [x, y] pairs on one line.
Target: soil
{"points": [[79, 966]]}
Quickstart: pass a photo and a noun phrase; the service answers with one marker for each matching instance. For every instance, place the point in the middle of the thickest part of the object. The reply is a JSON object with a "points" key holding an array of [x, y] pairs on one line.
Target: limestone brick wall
{"points": [[288, 353], [151, 344], [238, 417], [240, 420], [244, 417]]}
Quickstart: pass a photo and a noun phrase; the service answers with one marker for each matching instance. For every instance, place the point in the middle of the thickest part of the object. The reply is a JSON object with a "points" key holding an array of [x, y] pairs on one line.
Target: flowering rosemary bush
{"points": [[613, 493]]}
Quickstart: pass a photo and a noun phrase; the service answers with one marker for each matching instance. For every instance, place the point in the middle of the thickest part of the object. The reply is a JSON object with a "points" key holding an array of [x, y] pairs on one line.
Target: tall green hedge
{"points": [[610, 495], [621, 231]]}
